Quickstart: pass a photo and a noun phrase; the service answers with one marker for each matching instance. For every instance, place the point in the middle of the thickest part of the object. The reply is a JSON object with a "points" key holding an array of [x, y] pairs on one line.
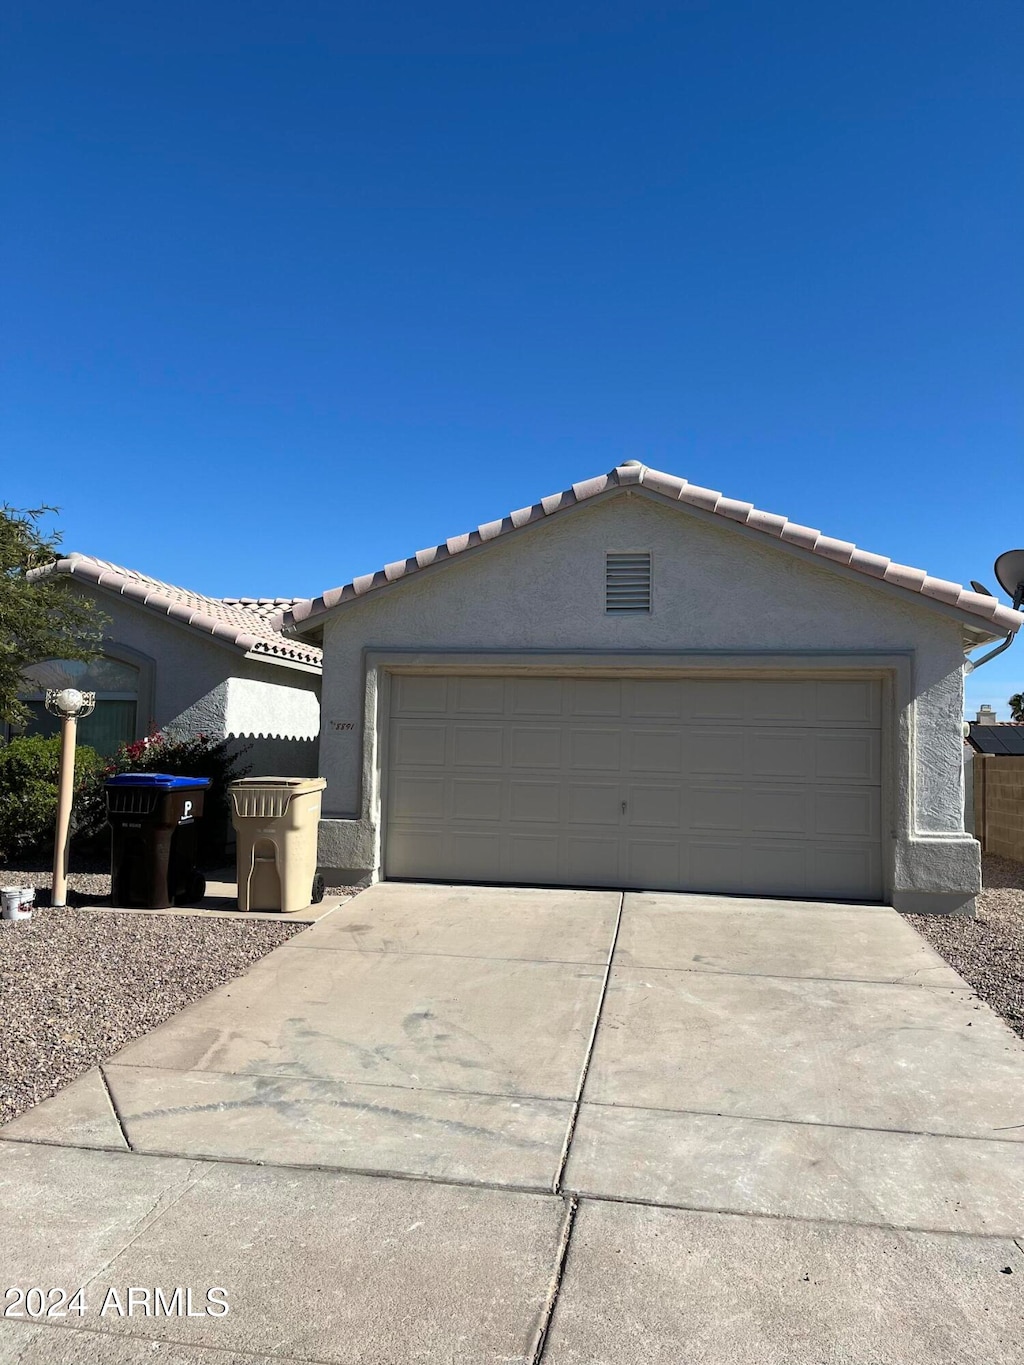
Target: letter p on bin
{"points": [[276, 822]]}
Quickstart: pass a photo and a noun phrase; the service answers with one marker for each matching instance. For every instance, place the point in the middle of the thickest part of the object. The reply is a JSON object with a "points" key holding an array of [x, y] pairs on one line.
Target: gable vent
{"points": [[627, 583]]}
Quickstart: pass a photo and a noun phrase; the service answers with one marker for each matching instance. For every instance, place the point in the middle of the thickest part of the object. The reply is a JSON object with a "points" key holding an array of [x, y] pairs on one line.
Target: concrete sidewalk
{"points": [[487, 1124]]}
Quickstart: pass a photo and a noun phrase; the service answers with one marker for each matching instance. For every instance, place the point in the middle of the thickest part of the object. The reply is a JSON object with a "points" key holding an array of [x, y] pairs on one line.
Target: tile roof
{"points": [[268, 608], [988, 610], [245, 622]]}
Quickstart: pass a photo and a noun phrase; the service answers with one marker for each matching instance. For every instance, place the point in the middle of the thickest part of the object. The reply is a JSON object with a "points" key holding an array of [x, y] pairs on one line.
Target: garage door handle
{"points": [[623, 807]]}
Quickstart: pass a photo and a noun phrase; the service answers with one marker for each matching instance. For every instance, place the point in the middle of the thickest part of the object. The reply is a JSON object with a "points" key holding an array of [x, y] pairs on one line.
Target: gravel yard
{"points": [[77, 985], [988, 951]]}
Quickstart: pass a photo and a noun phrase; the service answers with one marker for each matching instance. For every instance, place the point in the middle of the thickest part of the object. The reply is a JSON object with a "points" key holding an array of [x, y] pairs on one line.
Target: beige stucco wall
{"points": [[717, 591]]}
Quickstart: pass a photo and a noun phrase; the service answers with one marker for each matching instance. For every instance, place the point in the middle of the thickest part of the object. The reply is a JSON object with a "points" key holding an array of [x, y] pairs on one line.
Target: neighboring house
{"points": [[640, 683], [177, 661]]}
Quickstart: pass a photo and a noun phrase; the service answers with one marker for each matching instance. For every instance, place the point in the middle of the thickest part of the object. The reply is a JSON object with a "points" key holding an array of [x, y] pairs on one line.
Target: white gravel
{"points": [[988, 951]]}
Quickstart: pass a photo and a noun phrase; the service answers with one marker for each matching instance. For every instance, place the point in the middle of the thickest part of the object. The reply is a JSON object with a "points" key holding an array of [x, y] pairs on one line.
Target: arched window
{"points": [[116, 685]]}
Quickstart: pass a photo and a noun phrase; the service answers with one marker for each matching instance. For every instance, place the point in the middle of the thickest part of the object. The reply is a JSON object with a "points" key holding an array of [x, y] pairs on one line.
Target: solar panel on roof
{"points": [[997, 739]]}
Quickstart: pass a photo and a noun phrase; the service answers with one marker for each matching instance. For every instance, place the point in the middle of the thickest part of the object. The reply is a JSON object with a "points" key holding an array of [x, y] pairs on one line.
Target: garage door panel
{"points": [[479, 696], [779, 754], [848, 702], [595, 750], [415, 852], [715, 699], [776, 866], [652, 863], [412, 694], [595, 697], [655, 807], [777, 810], [595, 804], [477, 799], [420, 745], [592, 861], [714, 866], [718, 753], [653, 698], [478, 746], [419, 798], [713, 807], [848, 814], [850, 757], [840, 870], [535, 696], [535, 746], [743, 786], [535, 858], [535, 801], [778, 702], [476, 853], [654, 751]]}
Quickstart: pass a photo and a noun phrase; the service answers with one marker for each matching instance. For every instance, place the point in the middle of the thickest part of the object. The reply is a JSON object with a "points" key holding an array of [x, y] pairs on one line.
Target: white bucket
{"points": [[14, 905]]}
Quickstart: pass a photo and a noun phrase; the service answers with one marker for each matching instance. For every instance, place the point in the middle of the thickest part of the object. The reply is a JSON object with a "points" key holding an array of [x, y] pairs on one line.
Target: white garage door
{"points": [[757, 787]]}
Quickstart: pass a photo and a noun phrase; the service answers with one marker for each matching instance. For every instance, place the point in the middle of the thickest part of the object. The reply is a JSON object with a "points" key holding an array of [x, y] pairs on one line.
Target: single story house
{"points": [[187, 664], [640, 683]]}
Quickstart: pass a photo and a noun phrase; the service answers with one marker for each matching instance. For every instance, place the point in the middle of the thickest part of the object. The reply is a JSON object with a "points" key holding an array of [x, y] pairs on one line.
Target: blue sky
{"points": [[294, 290]]}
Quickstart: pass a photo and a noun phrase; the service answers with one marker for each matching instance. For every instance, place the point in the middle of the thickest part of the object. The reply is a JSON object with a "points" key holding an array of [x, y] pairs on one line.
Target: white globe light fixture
{"points": [[69, 705]]}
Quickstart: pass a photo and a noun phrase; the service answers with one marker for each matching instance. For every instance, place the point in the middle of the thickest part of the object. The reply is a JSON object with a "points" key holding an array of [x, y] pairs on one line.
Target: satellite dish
{"points": [[980, 587], [1009, 569]]}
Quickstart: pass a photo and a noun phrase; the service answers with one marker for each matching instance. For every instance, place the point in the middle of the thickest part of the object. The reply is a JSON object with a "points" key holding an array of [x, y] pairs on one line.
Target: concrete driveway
{"points": [[454, 1124]]}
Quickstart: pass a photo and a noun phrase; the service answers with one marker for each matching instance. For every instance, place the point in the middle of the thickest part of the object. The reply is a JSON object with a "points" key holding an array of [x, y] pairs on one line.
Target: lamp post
{"points": [[69, 705]]}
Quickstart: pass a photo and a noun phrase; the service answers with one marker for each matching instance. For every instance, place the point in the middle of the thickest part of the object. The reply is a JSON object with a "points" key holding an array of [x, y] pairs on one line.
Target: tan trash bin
{"points": [[276, 821]]}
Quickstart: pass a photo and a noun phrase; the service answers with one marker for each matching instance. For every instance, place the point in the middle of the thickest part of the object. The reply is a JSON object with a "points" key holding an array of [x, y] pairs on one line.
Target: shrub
{"points": [[195, 756], [28, 793]]}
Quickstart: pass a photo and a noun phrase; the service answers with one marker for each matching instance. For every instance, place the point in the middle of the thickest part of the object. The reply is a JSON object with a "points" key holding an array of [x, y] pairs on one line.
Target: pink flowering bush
{"points": [[220, 760]]}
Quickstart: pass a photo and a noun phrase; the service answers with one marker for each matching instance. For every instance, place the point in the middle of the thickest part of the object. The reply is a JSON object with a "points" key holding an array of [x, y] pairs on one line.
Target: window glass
{"points": [[110, 725], [101, 675], [116, 685]]}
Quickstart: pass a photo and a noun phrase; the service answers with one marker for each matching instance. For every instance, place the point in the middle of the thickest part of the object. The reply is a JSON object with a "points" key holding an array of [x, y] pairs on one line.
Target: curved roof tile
{"points": [[248, 623], [987, 609]]}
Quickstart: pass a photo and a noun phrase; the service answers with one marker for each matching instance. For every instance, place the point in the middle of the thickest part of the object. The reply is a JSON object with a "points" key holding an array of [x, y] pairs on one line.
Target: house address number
{"points": [[343, 725]]}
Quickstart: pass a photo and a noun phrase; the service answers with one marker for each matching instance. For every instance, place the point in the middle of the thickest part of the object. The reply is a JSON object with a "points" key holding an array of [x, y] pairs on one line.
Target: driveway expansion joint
{"points": [[814, 1123], [118, 1118], [426, 952], [855, 1224], [555, 1288], [307, 1079], [578, 1099], [962, 989]]}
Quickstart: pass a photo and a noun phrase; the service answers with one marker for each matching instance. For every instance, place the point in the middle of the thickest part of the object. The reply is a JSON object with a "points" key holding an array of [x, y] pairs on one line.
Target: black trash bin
{"points": [[154, 820]]}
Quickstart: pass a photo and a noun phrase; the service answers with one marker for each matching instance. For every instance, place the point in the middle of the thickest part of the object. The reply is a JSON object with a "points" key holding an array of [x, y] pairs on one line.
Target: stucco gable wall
{"points": [[201, 687], [714, 589], [190, 673]]}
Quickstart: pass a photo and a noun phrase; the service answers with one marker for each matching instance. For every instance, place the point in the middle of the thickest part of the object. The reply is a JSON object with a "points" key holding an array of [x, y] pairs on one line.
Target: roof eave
{"points": [[239, 642], [282, 661]]}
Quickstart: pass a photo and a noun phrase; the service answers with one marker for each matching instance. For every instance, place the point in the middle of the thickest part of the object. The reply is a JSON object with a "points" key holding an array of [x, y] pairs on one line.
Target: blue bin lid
{"points": [[162, 781]]}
